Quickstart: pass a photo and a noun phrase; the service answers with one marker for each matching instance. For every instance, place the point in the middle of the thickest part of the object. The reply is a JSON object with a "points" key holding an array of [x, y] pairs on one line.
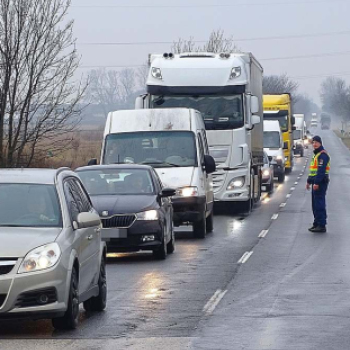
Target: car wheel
{"points": [[161, 252], [99, 303], [200, 228], [281, 177], [270, 187], [70, 319], [171, 245], [210, 222]]}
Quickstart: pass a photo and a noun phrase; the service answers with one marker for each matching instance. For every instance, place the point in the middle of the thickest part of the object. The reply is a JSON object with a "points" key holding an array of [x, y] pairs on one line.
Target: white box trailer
{"points": [[227, 90], [299, 134]]}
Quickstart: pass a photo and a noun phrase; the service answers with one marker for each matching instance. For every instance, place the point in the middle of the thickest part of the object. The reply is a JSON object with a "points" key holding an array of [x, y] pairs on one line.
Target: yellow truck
{"points": [[279, 107]]}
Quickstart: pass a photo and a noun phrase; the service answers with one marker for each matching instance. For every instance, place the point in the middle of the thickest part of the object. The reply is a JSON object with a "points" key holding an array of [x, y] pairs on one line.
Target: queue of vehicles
{"points": [[204, 132]]}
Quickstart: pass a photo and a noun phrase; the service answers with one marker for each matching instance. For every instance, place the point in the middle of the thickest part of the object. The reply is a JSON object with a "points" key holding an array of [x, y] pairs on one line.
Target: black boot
{"points": [[319, 229], [312, 227]]}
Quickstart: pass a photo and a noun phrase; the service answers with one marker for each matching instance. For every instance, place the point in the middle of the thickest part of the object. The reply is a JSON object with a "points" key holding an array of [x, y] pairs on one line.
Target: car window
{"points": [[157, 178], [85, 199], [201, 148], [73, 199]]}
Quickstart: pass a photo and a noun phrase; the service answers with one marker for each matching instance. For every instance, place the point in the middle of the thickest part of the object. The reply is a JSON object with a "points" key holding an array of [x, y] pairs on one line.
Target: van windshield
{"points": [[219, 112], [272, 139], [156, 148], [281, 116]]}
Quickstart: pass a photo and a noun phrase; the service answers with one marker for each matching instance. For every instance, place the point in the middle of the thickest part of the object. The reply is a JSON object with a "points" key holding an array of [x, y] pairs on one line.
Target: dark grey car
{"points": [[51, 254]]}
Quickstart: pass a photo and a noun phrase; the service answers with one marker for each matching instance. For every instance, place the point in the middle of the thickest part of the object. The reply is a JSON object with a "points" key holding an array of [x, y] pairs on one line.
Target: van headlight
{"points": [[237, 182], [41, 258], [190, 191], [156, 73], [149, 215]]}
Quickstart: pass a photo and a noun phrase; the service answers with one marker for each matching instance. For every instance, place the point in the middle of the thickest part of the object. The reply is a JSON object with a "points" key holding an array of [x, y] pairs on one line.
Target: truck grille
{"points": [[218, 180], [119, 221], [7, 265]]}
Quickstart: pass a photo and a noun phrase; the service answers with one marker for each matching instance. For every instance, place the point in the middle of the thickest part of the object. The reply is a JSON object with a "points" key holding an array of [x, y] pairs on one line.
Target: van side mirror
{"points": [[87, 219], [168, 192], [254, 105], [209, 164], [256, 119], [294, 127], [293, 120], [285, 145], [92, 161]]}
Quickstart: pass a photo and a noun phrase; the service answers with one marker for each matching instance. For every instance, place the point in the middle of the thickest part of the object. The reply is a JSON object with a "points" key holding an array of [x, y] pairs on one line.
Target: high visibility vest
{"points": [[314, 164]]}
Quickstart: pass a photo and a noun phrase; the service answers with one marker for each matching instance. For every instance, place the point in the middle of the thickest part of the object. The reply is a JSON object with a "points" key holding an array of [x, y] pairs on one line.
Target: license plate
{"points": [[108, 233]]}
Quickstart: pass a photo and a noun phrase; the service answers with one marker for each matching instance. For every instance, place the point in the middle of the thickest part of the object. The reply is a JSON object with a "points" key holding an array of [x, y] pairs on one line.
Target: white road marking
{"points": [[274, 217], [282, 205], [292, 188], [301, 174], [213, 302], [245, 257], [263, 233], [296, 182], [288, 195]]}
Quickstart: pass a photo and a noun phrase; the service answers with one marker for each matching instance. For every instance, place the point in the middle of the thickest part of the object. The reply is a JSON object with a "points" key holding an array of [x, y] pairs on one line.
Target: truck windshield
{"points": [[157, 148], [272, 139], [281, 116], [219, 112]]}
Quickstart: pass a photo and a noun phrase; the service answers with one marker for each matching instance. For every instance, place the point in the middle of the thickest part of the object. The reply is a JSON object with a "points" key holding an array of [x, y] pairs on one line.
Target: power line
{"points": [[204, 41], [210, 6]]}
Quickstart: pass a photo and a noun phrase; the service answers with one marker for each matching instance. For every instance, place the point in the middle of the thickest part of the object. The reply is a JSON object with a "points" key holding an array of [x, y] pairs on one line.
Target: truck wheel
{"points": [[210, 222], [200, 228], [281, 177]]}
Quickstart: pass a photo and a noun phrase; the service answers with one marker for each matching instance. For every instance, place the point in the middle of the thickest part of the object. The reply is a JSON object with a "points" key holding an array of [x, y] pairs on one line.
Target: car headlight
{"points": [[187, 191], [156, 73], [266, 173], [149, 215], [237, 182], [235, 72], [41, 258]]}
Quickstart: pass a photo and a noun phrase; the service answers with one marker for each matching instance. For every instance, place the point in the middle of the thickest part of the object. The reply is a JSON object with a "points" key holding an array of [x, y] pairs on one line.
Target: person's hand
{"points": [[316, 187], [307, 186]]}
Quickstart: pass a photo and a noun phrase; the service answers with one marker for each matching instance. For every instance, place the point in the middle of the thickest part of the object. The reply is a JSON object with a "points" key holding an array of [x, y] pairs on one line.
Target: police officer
{"points": [[318, 181]]}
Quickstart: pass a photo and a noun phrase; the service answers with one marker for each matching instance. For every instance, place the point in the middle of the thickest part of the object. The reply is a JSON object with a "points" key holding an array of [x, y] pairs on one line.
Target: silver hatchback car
{"points": [[51, 254]]}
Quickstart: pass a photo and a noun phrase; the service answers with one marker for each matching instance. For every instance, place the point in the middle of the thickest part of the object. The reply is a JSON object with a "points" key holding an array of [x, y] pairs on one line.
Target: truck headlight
{"points": [[187, 191], [149, 215], [237, 182], [156, 73], [41, 258], [236, 72], [266, 173]]}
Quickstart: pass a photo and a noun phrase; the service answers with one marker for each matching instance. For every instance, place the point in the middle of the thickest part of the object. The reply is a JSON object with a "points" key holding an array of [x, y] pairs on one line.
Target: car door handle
{"points": [[89, 238]]}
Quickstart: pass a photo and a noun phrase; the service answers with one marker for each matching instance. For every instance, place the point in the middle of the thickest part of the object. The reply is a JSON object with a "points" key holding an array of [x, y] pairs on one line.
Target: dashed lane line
{"points": [[263, 233], [245, 257], [274, 217], [282, 205], [214, 301]]}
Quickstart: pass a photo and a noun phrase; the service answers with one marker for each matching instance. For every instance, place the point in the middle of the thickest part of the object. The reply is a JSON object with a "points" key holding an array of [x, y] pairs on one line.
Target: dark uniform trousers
{"points": [[319, 204]]}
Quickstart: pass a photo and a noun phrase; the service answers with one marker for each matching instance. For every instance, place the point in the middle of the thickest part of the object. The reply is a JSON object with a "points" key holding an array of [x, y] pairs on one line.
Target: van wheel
{"points": [[200, 228], [281, 177], [210, 222], [171, 245], [99, 303], [70, 319]]}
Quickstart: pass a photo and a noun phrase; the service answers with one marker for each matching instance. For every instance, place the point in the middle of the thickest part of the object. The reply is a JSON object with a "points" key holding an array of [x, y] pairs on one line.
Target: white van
{"points": [[174, 142], [273, 146]]}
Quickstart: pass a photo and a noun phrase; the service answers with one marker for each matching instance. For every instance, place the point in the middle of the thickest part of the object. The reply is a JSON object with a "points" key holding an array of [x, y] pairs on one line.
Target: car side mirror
{"points": [[209, 164], [87, 219], [168, 192], [92, 161], [285, 145]]}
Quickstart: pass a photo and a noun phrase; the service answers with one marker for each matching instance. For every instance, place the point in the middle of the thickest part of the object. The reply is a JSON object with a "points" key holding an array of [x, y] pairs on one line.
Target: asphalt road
{"points": [[189, 300]]}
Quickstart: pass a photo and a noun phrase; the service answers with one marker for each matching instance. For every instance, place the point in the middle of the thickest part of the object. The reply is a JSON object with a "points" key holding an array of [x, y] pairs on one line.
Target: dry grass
{"points": [[345, 138]]}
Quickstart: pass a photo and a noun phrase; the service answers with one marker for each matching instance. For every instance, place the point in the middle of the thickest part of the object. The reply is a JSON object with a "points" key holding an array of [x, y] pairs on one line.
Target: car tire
{"points": [[302, 153], [161, 252], [171, 245], [281, 177], [200, 228], [99, 303], [70, 318], [210, 222], [270, 187]]}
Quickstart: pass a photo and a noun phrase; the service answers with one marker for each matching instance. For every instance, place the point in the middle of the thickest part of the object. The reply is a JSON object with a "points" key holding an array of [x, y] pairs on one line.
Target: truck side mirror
{"points": [[285, 145], [256, 119], [92, 161], [254, 105], [209, 164]]}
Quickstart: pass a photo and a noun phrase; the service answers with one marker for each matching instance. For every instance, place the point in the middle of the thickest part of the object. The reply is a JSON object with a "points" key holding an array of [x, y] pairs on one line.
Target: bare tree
{"points": [[127, 81], [279, 84], [141, 75], [217, 42], [38, 102]]}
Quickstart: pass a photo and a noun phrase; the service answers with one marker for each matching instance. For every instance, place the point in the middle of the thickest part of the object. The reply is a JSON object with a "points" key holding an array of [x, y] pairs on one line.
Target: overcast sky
{"points": [[319, 29]]}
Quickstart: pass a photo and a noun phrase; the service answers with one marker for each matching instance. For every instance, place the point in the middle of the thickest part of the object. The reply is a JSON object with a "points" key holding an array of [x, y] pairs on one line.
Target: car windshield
{"points": [[156, 148], [297, 134], [219, 112], [272, 139], [29, 205], [281, 116], [117, 181]]}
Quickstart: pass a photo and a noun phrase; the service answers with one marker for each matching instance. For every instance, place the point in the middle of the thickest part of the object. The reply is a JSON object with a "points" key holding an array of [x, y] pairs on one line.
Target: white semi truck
{"points": [[299, 134], [227, 89]]}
